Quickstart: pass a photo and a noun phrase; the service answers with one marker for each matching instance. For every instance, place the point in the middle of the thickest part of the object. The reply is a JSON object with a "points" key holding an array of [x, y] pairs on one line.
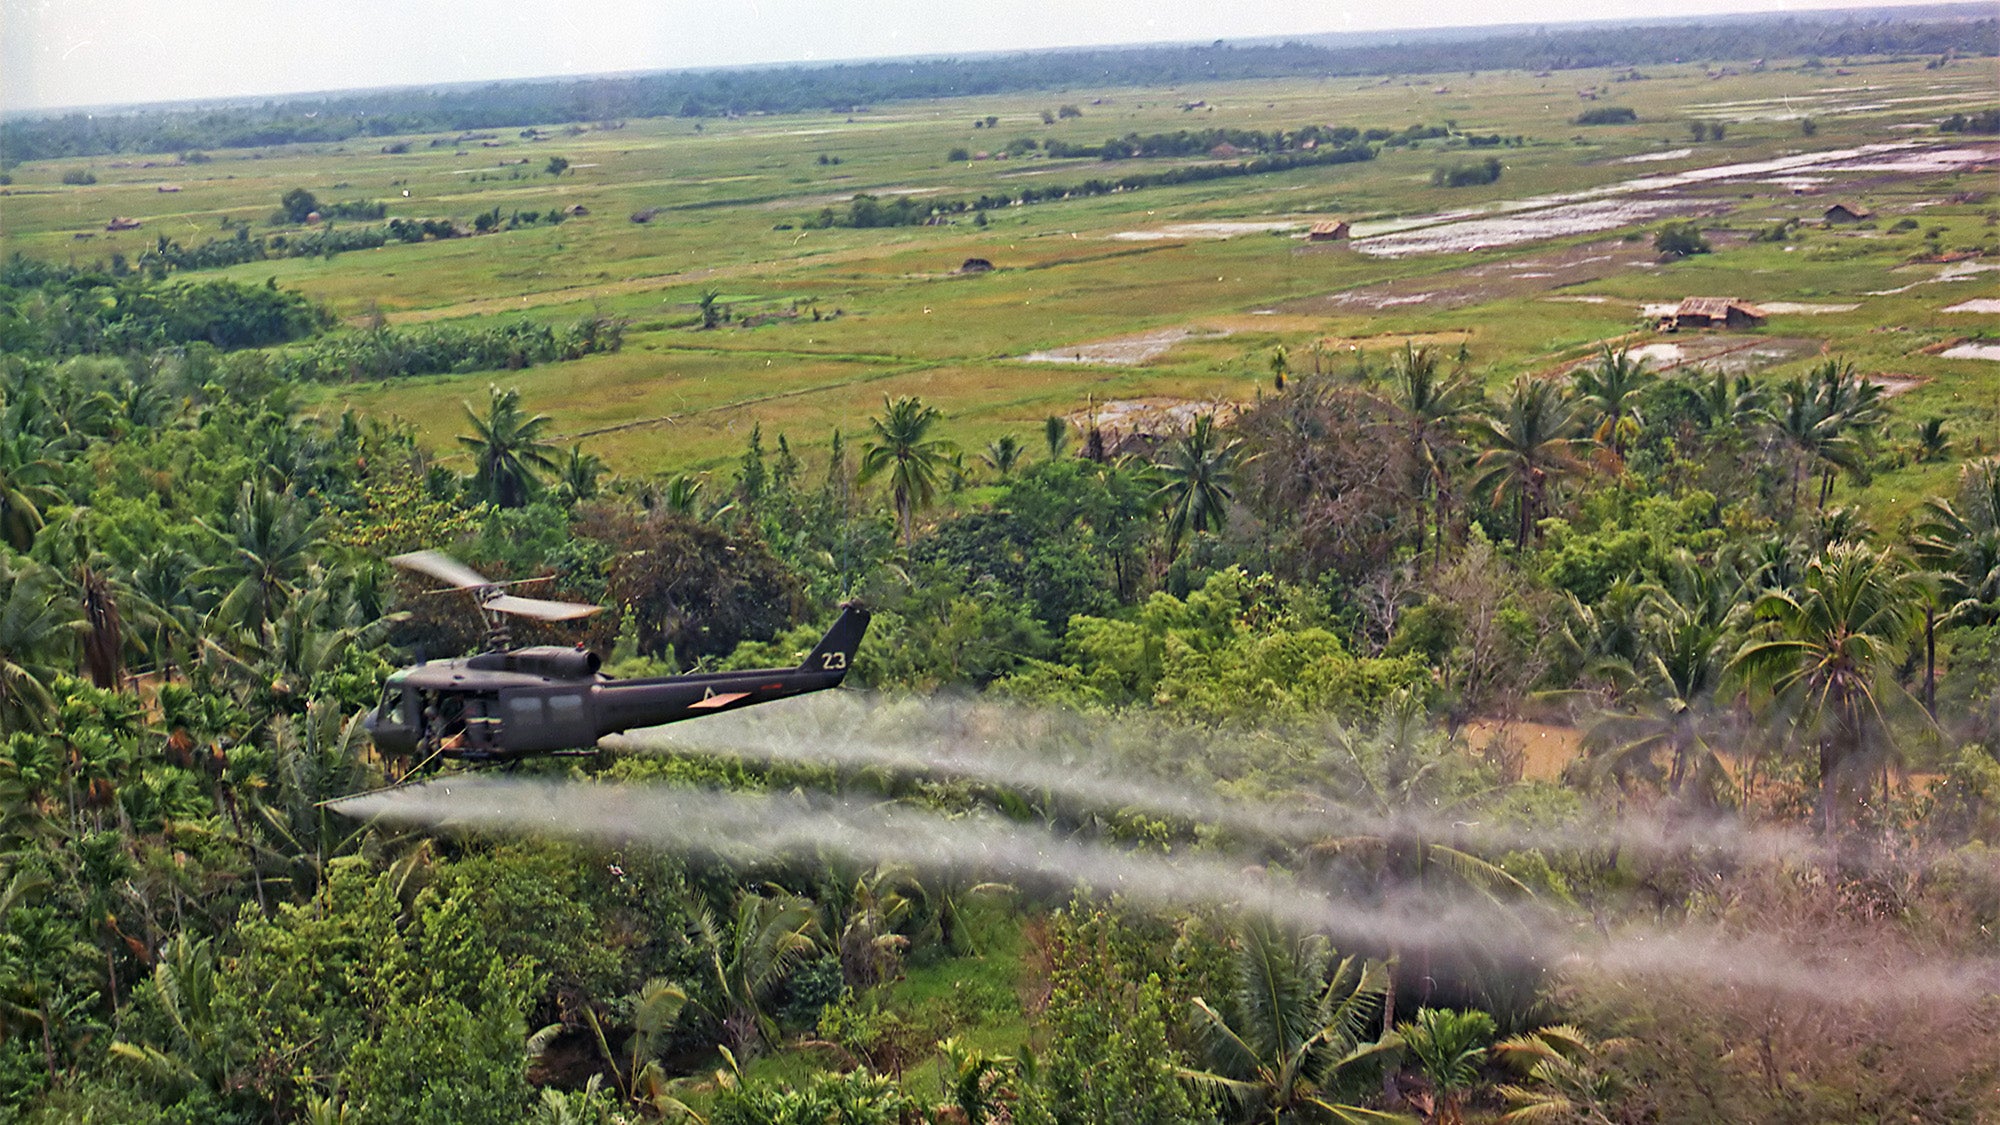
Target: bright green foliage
{"points": [[1213, 656], [1448, 1047], [855, 1098], [378, 991], [1109, 1058]]}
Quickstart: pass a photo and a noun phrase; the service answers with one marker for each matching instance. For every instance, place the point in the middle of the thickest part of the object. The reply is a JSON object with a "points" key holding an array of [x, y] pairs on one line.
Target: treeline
{"points": [[216, 253], [389, 353], [871, 211], [844, 88], [1985, 121], [56, 310]]}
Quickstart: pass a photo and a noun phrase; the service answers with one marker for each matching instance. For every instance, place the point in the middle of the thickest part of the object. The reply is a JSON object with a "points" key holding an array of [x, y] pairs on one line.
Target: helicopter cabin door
{"points": [[548, 719]]}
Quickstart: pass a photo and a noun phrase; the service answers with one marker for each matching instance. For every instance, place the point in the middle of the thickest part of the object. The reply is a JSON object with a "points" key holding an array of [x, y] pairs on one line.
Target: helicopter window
{"points": [[565, 708], [525, 708], [392, 706]]}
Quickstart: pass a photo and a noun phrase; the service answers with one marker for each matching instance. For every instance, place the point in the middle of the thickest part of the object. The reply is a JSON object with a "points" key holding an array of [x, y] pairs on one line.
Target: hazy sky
{"points": [[96, 52]]}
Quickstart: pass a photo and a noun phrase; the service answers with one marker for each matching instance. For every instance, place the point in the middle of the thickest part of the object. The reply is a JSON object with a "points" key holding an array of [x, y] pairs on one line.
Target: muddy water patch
{"points": [[1977, 305], [1730, 354], [1989, 352]]}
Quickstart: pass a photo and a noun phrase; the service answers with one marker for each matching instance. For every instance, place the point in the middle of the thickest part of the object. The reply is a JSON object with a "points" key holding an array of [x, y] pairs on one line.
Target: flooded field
{"points": [[1977, 305], [1511, 230], [1581, 212], [1973, 351], [1490, 281], [1732, 354]]}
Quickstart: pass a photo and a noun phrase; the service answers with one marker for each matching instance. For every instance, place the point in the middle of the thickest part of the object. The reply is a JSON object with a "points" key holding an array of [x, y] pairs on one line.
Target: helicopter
{"points": [[510, 703]]}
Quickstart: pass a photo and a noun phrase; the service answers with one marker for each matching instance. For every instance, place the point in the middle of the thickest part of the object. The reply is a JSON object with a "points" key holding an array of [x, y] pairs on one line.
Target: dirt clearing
{"points": [[1125, 351]]}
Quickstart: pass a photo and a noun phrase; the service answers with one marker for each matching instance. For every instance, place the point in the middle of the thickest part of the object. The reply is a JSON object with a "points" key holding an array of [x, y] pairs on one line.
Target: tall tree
{"points": [[35, 630], [268, 545], [1823, 658], [1435, 406], [1610, 389], [1197, 473], [915, 461], [1530, 448], [508, 449]]}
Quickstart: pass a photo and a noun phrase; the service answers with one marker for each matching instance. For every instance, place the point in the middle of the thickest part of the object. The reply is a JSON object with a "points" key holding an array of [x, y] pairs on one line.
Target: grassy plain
{"points": [[842, 318]]}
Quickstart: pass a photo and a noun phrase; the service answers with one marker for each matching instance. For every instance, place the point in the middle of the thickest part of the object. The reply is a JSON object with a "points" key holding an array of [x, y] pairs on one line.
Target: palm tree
{"points": [[1611, 389], [270, 542], [508, 449], [34, 634], [1823, 657], [1933, 443], [25, 493], [1684, 648], [577, 476], [1825, 419], [1003, 455], [1197, 474], [767, 937], [1961, 551], [1055, 432], [1435, 409], [640, 1076], [1722, 403], [1562, 1081], [1292, 1025], [1448, 1047], [915, 461], [1530, 448]]}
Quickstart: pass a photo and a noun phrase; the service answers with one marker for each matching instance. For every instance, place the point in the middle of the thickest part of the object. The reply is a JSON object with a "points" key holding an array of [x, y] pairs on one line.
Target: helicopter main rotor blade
{"points": [[442, 567], [539, 608]]}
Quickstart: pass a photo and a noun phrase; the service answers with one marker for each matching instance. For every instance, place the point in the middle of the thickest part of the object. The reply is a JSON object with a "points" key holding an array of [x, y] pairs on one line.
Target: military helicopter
{"points": [[510, 703]]}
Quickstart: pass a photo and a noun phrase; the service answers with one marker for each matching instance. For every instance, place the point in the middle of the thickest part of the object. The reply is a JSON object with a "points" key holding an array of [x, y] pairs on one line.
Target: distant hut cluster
{"points": [[1328, 230], [1713, 312], [1846, 212]]}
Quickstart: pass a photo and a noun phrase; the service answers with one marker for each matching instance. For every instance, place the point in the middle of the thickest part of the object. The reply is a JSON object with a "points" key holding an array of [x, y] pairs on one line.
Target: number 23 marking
{"points": [[833, 660]]}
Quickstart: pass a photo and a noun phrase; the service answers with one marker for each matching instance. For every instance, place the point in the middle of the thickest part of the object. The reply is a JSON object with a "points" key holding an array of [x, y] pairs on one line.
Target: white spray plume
{"points": [[1073, 756], [753, 827]]}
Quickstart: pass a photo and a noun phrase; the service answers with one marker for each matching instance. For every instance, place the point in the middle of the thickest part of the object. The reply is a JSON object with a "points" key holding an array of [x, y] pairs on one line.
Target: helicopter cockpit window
{"points": [[392, 706]]}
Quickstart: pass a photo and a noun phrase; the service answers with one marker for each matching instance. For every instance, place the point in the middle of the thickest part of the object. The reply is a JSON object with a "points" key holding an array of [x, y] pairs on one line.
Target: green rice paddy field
{"points": [[826, 322]]}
